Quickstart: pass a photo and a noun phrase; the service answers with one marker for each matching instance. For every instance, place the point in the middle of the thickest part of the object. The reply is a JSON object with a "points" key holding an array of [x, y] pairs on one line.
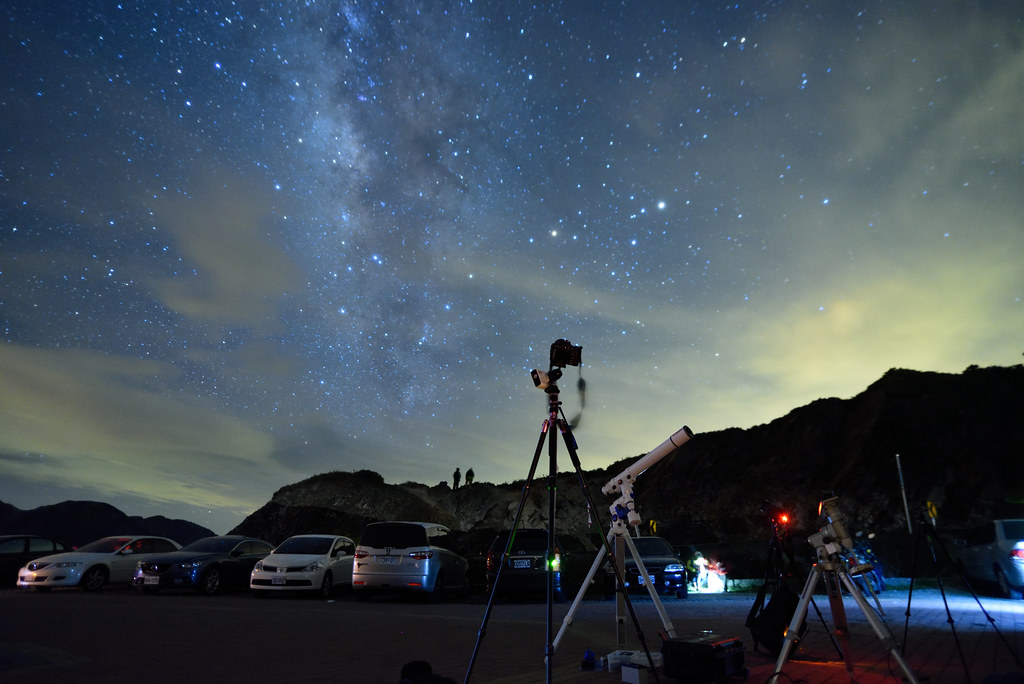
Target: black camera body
{"points": [[565, 353]]}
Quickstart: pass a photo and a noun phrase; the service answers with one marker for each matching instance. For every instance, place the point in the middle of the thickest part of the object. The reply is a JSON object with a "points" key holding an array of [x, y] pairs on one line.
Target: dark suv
{"points": [[525, 570], [665, 570]]}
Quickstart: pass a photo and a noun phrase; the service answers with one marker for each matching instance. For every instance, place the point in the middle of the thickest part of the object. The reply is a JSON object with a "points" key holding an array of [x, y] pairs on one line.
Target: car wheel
{"points": [[209, 583], [438, 593], [327, 585], [94, 578], [1005, 589]]}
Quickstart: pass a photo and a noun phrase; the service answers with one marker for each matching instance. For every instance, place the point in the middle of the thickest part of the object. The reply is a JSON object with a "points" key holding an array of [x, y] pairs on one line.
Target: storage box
{"points": [[634, 674], [616, 659], [704, 658], [640, 658]]}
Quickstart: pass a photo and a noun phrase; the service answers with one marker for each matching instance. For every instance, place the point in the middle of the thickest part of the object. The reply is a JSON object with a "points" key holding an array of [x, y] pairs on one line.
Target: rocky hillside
{"points": [[959, 439]]}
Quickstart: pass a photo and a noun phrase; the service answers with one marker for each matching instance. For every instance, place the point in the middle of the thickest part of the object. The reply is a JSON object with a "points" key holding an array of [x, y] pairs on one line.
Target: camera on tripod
{"points": [[563, 353]]}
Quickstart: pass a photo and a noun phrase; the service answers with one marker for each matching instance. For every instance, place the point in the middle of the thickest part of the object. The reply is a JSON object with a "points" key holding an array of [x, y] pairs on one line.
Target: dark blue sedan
{"points": [[209, 565]]}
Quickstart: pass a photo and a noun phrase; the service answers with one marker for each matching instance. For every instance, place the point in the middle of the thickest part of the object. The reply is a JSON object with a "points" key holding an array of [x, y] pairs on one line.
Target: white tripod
{"points": [[619, 536], [828, 543], [623, 512]]}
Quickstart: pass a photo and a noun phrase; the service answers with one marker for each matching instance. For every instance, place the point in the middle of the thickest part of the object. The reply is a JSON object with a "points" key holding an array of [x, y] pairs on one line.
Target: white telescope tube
{"points": [[626, 477]]}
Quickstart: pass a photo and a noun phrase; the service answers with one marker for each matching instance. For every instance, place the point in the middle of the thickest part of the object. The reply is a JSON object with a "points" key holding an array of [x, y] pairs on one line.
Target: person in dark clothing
{"points": [[420, 672], [469, 476], [456, 476]]}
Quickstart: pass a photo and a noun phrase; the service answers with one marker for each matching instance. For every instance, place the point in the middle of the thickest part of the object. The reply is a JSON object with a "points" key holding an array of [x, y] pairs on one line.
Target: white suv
{"points": [[408, 556]]}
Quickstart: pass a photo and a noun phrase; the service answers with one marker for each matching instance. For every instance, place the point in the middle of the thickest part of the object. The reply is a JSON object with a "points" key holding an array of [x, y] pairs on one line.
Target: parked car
{"points": [[209, 565], [110, 560], [18, 549], [408, 556], [665, 570], [993, 553], [305, 562], [525, 572]]}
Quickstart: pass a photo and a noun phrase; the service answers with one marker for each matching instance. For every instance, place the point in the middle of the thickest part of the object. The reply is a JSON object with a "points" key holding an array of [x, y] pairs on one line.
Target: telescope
{"points": [[624, 507], [626, 477]]}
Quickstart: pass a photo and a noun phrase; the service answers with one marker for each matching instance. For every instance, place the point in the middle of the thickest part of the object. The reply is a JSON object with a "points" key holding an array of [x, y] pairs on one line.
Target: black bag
{"points": [[768, 624], [703, 658]]}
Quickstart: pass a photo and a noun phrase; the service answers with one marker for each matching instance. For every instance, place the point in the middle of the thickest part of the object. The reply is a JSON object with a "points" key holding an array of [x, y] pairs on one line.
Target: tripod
{"points": [[548, 431], [834, 570], [622, 539]]}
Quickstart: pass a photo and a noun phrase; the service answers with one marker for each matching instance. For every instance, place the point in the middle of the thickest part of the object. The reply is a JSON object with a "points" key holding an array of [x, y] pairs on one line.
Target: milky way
{"points": [[242, 243]]}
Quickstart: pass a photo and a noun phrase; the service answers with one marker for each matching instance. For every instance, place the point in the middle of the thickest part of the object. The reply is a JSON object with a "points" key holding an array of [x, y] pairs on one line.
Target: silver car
{"points": [[994, 553], [408, 556], [305, 562]]}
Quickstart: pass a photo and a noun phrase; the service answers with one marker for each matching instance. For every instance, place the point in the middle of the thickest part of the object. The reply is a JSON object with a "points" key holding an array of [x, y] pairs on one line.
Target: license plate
{"points": [[387, 560], [278, 579], [521, 563], [640, 579], [150, 580]]}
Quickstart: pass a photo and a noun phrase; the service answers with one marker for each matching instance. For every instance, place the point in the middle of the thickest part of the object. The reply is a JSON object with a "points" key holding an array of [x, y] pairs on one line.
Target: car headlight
{"points": [[258, 566], [675, 568], [314, 566], [190, 565], [66, 564]]}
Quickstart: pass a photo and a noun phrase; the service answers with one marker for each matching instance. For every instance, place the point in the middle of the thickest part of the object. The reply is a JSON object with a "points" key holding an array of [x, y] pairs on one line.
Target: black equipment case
{"points": [[703, 658]]}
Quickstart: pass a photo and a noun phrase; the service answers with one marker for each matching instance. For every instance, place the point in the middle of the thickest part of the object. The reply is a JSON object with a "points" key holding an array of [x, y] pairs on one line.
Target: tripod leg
{"points": [[508, 547], [794, 626], [881, 630], [841, 629], [599, 560], [665, 621]]}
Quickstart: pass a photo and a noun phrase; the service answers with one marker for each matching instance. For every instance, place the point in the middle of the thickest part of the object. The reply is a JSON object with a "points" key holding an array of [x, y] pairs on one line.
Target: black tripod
{"points": [[925, 533], [555, 419]]}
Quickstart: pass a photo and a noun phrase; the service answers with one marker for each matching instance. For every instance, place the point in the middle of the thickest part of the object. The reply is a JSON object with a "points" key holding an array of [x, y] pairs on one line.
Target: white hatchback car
{"points": [[306, 562], [110, 560], [408, 556]]}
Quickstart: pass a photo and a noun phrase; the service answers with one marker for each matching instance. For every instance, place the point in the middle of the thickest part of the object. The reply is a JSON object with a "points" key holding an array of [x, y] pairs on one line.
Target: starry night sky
{"points": [[243, 243]]}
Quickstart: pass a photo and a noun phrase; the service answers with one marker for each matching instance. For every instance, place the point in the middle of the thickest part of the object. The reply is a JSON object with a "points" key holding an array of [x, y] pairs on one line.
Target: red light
{"points": [[1017, 554], [421, 555], [783, 519], [361, 554]]}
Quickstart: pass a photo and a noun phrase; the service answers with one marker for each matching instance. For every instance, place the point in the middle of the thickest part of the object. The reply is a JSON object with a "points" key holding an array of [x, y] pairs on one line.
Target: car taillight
{"points": [[1017, 554], [492, 563], [361, 554], [421, 555]]}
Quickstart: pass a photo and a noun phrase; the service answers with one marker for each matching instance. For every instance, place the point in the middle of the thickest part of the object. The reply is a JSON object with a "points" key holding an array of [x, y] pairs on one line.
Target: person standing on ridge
{"points": [[469, 476], [456, 476]]}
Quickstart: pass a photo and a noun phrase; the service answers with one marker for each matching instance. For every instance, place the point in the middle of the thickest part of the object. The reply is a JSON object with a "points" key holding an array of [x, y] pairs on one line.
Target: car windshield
{"points": [[652, 546], [1013, 529], [105, 545], [525, 540], [394, 535], [303, 545], [212, 545]]}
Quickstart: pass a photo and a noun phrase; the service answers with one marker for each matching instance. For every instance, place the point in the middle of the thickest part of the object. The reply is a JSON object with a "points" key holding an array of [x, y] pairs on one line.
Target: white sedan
{"points": [[306, 562], [110, 560]]}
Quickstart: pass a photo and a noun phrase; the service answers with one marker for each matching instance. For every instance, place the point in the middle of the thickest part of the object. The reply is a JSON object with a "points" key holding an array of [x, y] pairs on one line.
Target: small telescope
{"points": [[626, 477], [624, 508]]}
